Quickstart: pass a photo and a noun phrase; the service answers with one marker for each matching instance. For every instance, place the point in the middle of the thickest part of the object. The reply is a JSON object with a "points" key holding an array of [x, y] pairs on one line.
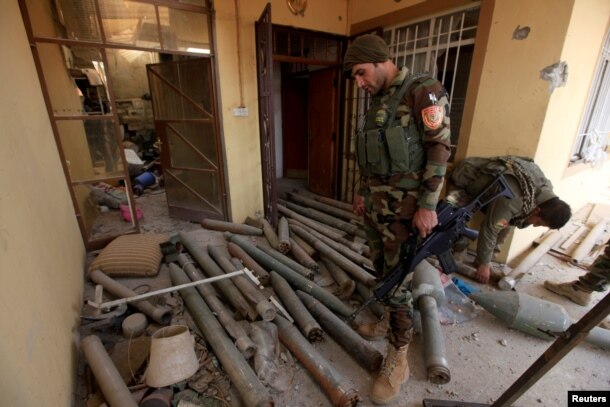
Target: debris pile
{"points": [[253, 299]]}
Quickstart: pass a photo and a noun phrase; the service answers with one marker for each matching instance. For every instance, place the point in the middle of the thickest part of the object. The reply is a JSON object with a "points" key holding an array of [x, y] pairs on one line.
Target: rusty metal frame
{"points": [[102, 45], [264, 63]]}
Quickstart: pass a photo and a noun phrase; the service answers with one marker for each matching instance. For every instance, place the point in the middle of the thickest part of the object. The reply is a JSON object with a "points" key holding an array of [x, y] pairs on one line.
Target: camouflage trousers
{"points": [[387, 222], [598, 274]]}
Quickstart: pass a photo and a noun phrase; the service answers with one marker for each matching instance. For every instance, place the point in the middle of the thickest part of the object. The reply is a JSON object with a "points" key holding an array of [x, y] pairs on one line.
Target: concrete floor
{"points": [[485, 357]]}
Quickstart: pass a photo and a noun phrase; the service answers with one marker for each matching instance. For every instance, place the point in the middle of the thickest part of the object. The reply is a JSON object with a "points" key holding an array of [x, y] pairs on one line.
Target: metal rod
{"points": [[120, 301]]}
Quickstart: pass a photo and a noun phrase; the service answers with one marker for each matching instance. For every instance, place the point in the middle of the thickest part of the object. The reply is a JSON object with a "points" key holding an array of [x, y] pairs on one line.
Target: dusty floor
{"points": [[484, 356]]}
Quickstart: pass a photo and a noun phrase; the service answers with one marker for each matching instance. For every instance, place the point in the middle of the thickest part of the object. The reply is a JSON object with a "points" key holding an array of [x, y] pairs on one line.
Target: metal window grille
{"points": [[434, 45], [592, 137]]}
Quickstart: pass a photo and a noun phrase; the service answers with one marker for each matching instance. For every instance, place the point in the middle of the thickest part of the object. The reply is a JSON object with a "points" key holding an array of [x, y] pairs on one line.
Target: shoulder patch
{"points": [[501, 224], [432, 116]]}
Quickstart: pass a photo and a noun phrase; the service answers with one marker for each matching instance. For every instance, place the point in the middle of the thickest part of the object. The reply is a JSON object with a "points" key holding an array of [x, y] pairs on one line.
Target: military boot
{"points": [[393, 373], [573, 291], [374, 331]]}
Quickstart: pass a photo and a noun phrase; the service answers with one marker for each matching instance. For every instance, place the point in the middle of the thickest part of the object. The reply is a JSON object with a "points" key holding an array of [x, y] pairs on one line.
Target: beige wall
{"points": [[362, 10], [512, 100], [241, 134], [580, 184], [41, 251]]}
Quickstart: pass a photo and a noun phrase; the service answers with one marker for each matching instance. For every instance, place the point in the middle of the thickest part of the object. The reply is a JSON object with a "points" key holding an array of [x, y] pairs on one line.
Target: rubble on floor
{"points": [[252, 334]]}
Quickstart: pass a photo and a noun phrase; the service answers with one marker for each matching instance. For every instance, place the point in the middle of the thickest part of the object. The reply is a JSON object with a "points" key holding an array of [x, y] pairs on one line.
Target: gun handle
{"points": [[447, 262]]}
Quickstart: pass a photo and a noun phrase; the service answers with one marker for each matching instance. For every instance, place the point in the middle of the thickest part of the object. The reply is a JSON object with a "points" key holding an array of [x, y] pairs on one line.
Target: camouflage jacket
{"points": [[473, 174], [424, 185]]}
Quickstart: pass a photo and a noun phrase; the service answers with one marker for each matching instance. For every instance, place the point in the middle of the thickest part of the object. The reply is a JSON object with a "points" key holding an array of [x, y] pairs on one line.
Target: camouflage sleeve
{"points": [[431, 108], [497, 217], [598, 276]]}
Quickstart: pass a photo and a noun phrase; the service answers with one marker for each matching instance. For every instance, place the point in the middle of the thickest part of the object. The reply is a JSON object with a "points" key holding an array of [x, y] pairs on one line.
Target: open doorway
{"points": [[302, 76], [309, 127]]}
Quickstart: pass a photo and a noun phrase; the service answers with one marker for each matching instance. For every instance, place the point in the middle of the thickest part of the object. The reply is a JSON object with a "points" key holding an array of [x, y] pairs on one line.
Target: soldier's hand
{"points": [[425, 220], [483, 273], [358, 205]]}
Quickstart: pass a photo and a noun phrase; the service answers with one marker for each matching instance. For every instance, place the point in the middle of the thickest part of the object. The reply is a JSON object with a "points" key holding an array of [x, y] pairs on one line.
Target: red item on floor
{"points": [[126, 213]]}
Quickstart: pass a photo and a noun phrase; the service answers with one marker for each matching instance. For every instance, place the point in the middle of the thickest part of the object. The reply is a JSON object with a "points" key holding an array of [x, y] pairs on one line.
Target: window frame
{"points": [[596, 113]]}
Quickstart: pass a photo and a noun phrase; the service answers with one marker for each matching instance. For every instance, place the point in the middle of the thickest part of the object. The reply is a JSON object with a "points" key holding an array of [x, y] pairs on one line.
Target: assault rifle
{"points": [[451, 226]]}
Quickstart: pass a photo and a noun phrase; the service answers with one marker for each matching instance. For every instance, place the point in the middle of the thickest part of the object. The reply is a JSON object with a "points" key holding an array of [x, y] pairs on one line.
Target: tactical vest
{"points": [[385, 147], [495, 166]]}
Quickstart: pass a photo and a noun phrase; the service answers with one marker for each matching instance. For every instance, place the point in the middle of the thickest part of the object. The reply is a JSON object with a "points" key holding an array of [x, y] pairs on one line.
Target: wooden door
{"points": [[184, 110], [264, 66], [323, 129]]}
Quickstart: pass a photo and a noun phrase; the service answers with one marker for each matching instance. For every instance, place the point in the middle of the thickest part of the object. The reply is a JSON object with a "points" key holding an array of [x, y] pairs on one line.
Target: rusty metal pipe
{"points": [[366, 293], [353, 269], [361, 349], [337, 388], [259, 272], [326, 219], [283, 235], [306, 322], [253, 393], [242, 341], [345, 285], [288, 262], [327, 230], [113, 387], [358, 248], [213, 224], [311, 252], [331, 210], [264, 308], [341, 248], [226, 287], [270, 234], [302, 257], [346, 206], [161, 315], [294, 278]]}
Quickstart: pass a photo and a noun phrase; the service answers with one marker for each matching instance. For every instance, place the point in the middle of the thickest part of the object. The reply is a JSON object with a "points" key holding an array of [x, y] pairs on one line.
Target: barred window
{"points": [[592, 139]]}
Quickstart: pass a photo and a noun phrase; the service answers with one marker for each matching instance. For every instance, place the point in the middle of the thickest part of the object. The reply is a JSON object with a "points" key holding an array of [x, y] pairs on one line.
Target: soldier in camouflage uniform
{"points": [[402, 153], [534, 202], [596, 279]]}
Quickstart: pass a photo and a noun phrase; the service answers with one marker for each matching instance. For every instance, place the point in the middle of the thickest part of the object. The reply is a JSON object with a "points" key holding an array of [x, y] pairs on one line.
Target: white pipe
{"points": [[111, 304], [509, 281], [588, 242]]}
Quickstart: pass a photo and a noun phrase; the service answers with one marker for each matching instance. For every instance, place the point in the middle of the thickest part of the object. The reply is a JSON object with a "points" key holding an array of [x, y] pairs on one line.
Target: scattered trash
{"points": [[126, 213]]}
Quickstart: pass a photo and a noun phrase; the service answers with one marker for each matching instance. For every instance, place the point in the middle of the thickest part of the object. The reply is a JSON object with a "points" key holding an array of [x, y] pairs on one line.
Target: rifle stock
{"points": [[451, 226]]}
